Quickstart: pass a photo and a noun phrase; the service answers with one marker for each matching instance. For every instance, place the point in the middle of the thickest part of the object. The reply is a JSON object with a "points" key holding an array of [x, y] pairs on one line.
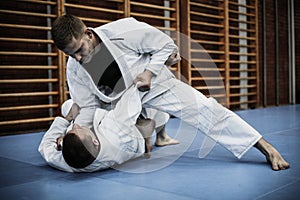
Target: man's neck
{"points": [[96, 43]]}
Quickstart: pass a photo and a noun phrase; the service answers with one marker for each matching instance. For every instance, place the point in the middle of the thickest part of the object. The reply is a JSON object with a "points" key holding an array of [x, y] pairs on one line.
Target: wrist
{"points": [[68, 119], [149, 73]]}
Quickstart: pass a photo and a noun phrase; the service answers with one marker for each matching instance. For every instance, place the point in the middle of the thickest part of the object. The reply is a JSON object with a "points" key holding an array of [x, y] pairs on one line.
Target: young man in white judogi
{"points": [[140, 51], [118, 136]]}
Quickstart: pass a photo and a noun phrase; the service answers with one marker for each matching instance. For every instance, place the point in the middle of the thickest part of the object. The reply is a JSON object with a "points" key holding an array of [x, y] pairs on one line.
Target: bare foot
{"points": [[162, 139], [273, 156]]}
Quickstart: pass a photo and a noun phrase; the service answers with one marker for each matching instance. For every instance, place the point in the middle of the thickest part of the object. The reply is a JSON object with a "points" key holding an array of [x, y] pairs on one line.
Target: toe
{"points": [[284, 165]]}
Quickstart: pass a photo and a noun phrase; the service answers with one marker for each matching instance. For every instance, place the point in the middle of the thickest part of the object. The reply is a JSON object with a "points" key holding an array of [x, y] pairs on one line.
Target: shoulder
{"points": [[71, 64], [120, 22], [121, 26], [73, 67]]}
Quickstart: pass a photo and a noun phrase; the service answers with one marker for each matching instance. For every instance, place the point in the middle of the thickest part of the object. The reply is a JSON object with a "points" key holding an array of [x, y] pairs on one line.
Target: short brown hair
{"points": [[75, 153], [65, 28]]}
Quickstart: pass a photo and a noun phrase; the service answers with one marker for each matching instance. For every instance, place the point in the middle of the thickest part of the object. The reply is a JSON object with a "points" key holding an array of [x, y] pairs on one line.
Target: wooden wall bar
{"points": [[204, 67], [164, 15], [224, 65], [32, 70], [217, 40], [243, 54], [29, 70]]}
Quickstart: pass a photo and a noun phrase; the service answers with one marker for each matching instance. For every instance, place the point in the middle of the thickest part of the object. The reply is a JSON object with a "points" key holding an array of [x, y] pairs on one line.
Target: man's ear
{"points": [[89, 33], [96, 142]]}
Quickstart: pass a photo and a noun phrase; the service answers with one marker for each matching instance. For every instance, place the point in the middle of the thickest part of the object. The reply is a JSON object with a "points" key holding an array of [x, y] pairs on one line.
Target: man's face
{"points": [[81, 49], [87, 137]]}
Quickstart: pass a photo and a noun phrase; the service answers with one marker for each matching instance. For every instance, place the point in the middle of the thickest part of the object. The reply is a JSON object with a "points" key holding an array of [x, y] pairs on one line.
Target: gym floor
{"points": [[219, 175]]}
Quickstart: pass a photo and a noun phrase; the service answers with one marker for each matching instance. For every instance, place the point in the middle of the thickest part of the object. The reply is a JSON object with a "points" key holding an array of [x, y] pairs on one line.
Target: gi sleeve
{"points": [[146, 39], [81, 93], [47, 147]]}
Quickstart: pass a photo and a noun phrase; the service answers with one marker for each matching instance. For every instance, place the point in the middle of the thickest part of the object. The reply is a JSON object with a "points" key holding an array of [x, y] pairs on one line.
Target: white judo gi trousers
{"points": [[211, 118]]}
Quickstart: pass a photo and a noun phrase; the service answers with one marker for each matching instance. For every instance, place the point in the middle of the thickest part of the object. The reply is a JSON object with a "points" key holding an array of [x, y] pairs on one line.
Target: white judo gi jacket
{"points": [[135, 46], [119, 138]]}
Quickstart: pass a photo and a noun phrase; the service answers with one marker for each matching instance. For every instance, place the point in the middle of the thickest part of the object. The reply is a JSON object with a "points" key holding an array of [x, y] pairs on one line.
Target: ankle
{"points": [[263, 146]]}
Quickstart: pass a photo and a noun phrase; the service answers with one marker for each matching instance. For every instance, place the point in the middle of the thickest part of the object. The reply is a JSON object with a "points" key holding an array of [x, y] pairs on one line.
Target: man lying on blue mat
{"points": [[118, 136]]}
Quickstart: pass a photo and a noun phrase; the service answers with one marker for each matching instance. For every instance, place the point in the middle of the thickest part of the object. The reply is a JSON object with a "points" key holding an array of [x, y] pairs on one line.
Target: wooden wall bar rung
{"points": [[242, 45], [13, 53], [27, 13], [242, 21], [53, 3], [242, 37], [102, 21], [242, 70], [208, 69], [242, 54], [93, 8], [147, 5], [243, 78], [209, 42], [43, 28], [152, 16], [29, 107], [48, 80], [207, 51], [206, 15], [206, 78], [209, 87], [244, 86], [246, 94], [117, 1], [27, 94], [217, 95], [207, 33], [242, 13], [242, 29], [29, 40], [35, 120], [206, 24], [205, 6], [165, 28], [242, 62], [46, 67], [206, 60]]}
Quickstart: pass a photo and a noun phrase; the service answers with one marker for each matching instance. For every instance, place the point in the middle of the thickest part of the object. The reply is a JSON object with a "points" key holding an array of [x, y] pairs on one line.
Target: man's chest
{"points": [[105, 72]]}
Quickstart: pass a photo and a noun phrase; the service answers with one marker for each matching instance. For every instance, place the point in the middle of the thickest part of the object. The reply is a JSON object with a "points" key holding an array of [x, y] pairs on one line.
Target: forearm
{"points": [[83, 96], [48, 146], [160, 57]]}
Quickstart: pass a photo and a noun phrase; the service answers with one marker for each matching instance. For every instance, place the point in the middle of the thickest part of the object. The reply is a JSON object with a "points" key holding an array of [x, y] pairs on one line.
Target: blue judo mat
{"points": [[219, 175]]}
